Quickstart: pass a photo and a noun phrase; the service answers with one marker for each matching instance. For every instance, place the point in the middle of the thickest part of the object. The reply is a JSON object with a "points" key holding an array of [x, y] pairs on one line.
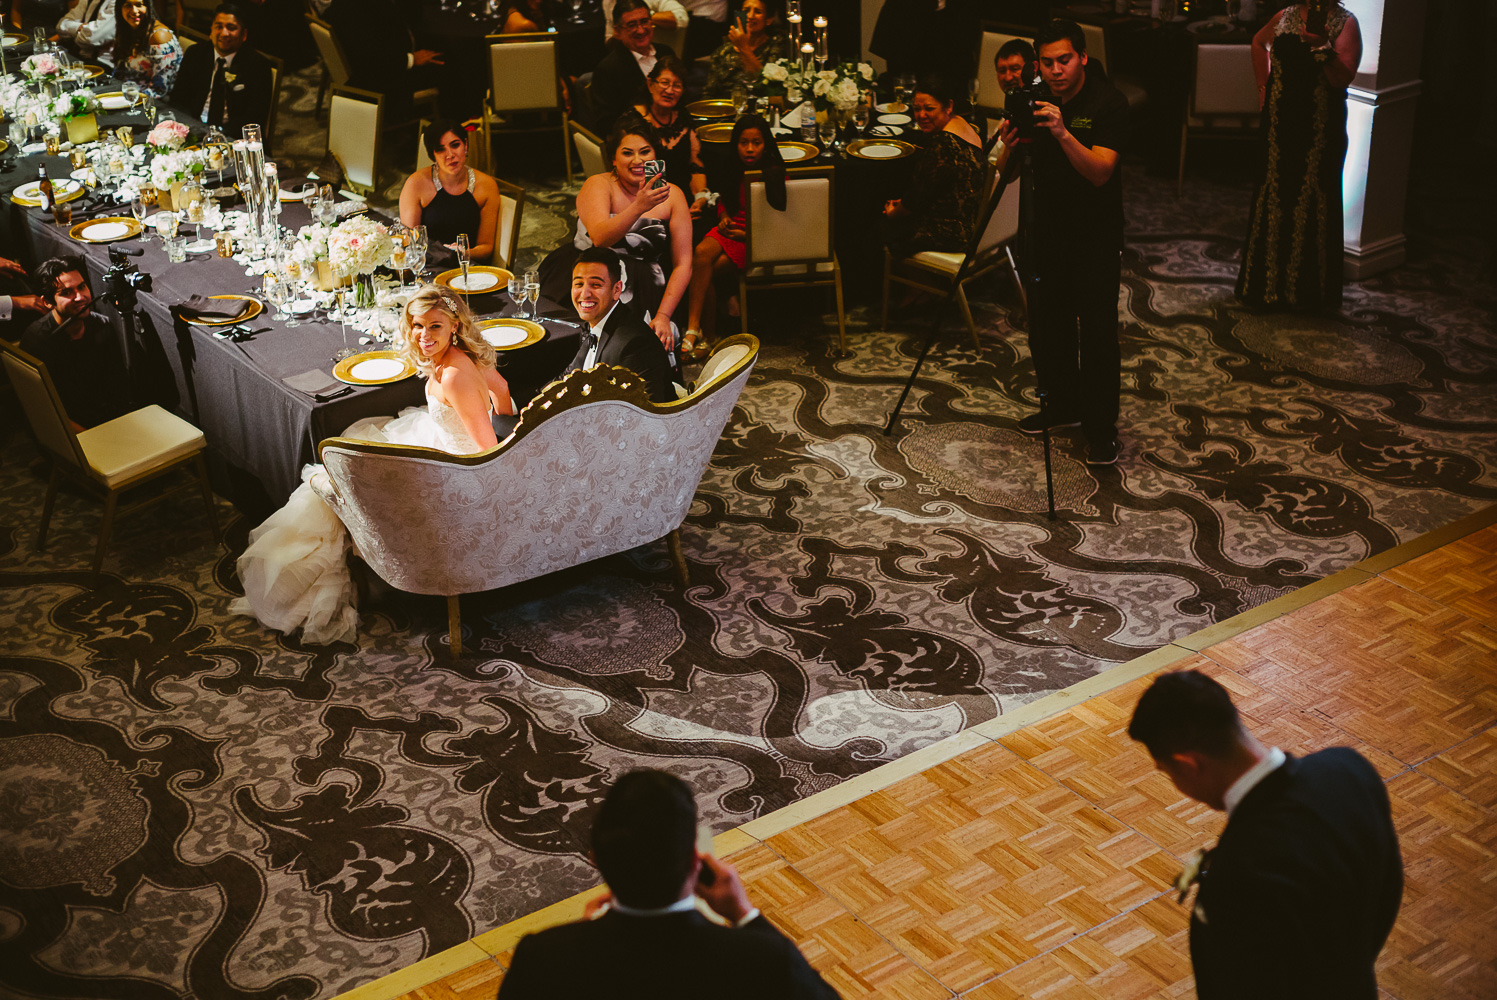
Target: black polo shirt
{"points": [[1067, 205], [85, 363]]}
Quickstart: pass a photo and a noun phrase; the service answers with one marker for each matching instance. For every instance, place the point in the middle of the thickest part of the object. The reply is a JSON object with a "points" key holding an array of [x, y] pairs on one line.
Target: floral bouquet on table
{"points": [[356, 247], [173, 168], [841, 87], [43, 66], [780, 76], [167, 137], [310, 245], [79, 102]]}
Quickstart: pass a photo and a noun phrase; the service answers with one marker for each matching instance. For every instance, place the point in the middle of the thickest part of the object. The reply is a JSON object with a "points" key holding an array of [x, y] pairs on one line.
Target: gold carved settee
{"points": [[592, 469]]}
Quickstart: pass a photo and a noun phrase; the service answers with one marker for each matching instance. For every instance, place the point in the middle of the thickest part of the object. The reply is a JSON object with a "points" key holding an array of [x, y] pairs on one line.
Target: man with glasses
{"points": [[619, 81]]}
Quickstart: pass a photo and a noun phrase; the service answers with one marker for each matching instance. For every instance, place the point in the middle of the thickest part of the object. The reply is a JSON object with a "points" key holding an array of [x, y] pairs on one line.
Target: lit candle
{"points": [[805, 56], [820, 22], [794, 20]]}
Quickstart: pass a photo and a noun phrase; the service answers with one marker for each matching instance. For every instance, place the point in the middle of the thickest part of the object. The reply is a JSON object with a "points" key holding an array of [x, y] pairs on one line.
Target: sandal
{"points": [[694, 345]]}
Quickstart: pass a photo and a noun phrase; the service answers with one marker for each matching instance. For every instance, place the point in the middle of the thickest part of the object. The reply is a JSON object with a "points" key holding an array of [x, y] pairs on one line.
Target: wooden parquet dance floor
{"points": [[1034, 860]]}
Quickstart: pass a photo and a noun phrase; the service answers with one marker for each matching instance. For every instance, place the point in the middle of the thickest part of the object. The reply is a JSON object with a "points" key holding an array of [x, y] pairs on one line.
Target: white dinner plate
{"points": [[790, 153], [891, 108], [32, 189], [477, 281], [879, 151], [104, 231], [114, 103], [894, 119], [296, 195], [200, 246], [501, 335], [377, 368]]}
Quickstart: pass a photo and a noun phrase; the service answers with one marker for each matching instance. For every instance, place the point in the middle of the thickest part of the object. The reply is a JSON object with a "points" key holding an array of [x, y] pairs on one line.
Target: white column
{"points": [[1380, 106]]}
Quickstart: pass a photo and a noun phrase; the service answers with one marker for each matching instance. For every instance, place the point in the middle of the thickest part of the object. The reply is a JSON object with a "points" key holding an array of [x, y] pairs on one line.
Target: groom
{"points": [[615, 336]]}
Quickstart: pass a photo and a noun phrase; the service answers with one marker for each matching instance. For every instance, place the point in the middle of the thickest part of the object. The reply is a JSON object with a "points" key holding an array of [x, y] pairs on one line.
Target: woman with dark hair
{"points": [[451, 197], [940, 204], [145, 50], [755, 38], [723, 251], [679, 146], [642, 218]]}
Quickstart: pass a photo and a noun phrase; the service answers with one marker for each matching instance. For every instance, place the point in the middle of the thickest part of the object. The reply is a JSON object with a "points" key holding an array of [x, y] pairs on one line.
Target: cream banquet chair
{"points": [[524, 77], [589, 150], [111, 458], [355, 119], [1223, 98], [1096, 50], [593, 468], [334, 63], [989, 94], [277, 73], [793, 248], [934, 271], [507, 231]]}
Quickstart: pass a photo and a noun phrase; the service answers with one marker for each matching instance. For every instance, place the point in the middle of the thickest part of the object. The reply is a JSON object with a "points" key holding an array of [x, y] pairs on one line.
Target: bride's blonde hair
{"points": [[465, 335]]}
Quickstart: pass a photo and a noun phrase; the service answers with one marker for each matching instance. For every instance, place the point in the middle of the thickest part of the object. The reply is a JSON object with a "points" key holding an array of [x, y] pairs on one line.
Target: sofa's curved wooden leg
{"points": [[679, 558], [455, 626]]}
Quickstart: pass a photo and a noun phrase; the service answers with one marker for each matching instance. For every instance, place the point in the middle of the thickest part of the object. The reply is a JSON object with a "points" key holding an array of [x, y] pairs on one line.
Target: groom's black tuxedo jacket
{"points": [[1301, 891], [246, 97], [679, 956], [627, 342]]}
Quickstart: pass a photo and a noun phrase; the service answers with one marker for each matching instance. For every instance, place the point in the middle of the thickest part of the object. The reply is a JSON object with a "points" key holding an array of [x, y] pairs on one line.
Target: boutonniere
{"points": [[231, 77], [1191, 874]]}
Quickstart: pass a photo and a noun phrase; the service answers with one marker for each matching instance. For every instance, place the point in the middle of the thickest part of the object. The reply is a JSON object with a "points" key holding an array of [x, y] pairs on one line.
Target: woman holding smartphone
{"points": [[754, 39], [634, 211]]}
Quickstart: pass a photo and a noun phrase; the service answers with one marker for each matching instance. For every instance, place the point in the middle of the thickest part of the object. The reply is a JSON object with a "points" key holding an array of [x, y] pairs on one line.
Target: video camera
{"points": [[1019, 103], [123, 279]]}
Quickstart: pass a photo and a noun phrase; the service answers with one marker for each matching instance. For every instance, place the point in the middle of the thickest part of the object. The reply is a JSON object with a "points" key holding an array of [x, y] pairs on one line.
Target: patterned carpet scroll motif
{"points": [[191, 807]]}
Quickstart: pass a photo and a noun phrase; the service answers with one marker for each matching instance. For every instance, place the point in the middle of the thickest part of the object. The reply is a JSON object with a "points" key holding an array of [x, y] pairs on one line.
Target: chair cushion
{"points": [[940, 260], [127, 446], [788, 270]]}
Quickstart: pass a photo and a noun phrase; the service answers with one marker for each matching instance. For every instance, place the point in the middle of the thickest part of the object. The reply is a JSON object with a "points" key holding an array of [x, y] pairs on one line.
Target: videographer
{"points": [[1075, 239], [80, 350]]}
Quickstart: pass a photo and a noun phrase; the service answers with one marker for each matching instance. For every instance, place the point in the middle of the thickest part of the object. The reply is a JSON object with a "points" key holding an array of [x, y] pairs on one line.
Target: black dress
{"points": [[943, 198], [447, 215], [1294, 247]]}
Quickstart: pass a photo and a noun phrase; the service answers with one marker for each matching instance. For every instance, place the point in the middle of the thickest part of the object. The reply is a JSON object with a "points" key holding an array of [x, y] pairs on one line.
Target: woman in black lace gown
{"points": [[1305, 57], [940, 204]]}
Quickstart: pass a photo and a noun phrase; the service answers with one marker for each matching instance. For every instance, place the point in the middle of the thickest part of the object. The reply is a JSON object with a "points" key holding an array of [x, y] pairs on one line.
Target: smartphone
{"points": [[704, 846], [655, 168]]}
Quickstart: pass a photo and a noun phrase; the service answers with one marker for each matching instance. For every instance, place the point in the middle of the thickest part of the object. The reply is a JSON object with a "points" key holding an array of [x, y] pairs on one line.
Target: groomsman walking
{"points": [[1301, 890]]}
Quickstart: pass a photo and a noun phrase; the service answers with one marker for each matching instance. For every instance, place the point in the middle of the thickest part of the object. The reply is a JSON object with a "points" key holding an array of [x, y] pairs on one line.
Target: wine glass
{"points": [[517, 292], [275, 287], [131, 90], [419, 244], [898, 92], [860, 117], [308, 193], [342, 296], [138, 209], [463, 254], [826, 131], [533, 292], [740, 99]]}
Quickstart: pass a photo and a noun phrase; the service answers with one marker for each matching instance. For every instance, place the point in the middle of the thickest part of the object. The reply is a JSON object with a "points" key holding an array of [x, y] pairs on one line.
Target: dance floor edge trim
{"points": [[491, 944]]}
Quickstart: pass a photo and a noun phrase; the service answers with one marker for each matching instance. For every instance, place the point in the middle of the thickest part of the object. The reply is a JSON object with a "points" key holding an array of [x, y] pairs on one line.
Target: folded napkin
{"points": [[316, 382], [884, 130], [202, 307]]}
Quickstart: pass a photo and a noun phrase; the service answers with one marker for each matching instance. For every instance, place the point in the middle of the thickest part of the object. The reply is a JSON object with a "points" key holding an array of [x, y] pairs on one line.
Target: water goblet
{"points": [[860, 117], [415, 259], [826, 131], [517, 292], [138, 209], [131, 90]]}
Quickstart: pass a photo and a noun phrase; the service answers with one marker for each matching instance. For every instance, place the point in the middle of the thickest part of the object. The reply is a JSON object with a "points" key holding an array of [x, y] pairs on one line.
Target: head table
{"points": [[260, 430]]}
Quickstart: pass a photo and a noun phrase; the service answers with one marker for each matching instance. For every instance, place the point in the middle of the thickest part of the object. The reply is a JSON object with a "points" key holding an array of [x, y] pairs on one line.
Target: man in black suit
{"points": [[380, 45], [228, 84], [1302, 888], [615, 336], [652, 942], [619, 79]]}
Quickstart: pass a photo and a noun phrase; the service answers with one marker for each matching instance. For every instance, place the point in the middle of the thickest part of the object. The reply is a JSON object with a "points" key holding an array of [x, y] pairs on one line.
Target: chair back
{"points": [[277, 70], [354, 120], [188, 37], [593, 468], [589, 149], [673, 38], [42, 405], [522, 72], [1002, 223], [989, 94], [802, 234], [1096, 44], [1224, 82], [507, 231], [331, 51]]}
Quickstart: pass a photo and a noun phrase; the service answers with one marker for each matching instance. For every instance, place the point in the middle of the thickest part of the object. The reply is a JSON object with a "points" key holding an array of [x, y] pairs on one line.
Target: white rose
{"points": [[822, 87], [865, 71], [827, 75], [845, 95], [776, 72]]}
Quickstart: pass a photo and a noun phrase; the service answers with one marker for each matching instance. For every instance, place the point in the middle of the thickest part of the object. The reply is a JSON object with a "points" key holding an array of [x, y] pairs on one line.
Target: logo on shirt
{"points": [[1081, 123]]}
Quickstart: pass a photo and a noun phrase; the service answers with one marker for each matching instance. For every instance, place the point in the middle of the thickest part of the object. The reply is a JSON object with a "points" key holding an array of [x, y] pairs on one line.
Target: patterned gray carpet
{"points": [[190, 806]]}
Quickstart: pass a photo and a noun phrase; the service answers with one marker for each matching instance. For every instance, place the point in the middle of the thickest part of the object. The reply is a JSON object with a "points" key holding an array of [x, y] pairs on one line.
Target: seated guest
{"points": [[755, 39], [647, 226], [80, 350], [383, 56], [679, 146], [665, 14], [615, 335], [145, 50], [1015, 66], [723, 251], [619, 80], [17, 305], [88, 27], [646, 938], [227, 83], [523, 16], [451, 198], [940, 205]]}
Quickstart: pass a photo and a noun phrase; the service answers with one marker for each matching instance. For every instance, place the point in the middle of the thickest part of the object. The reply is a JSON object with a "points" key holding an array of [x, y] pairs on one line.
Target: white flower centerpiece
{"points": [[43, 66], [170, 170], [76, 112], [356, 247], [167, 137], [839, 87]]}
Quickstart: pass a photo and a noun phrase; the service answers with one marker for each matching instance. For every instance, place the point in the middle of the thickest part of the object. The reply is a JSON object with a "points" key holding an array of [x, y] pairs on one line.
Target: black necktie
{"points": [[216, 94]]}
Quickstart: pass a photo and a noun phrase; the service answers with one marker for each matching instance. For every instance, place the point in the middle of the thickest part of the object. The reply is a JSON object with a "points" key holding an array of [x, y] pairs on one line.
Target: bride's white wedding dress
{"points": [[295, 568]]}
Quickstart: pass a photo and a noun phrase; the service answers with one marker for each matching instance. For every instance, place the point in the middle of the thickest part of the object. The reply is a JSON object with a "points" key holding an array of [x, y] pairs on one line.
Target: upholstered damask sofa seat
{"points": [[592, 469]]}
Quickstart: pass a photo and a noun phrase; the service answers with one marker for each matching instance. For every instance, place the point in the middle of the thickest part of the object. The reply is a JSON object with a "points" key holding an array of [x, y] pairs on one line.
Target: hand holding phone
{"points": [[655, 169]]}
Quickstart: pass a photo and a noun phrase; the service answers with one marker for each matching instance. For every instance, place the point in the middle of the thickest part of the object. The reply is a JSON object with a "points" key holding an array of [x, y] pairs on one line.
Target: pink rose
{"points": [[46, 64]]}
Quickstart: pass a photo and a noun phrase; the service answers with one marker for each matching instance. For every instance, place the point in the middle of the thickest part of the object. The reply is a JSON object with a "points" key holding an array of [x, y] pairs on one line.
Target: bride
{"points": [[295, 569]]}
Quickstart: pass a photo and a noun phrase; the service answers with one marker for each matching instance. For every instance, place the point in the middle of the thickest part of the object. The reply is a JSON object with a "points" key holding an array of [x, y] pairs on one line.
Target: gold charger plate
{"points": [[107, 95], [132, 228], [805, 150], [256, 308], [857, 146], [36, 202], [716, 132], [343, 370], [446, 279], [94, 72], [15, 38], [711, 109], [4, 145], [534, 332]]}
